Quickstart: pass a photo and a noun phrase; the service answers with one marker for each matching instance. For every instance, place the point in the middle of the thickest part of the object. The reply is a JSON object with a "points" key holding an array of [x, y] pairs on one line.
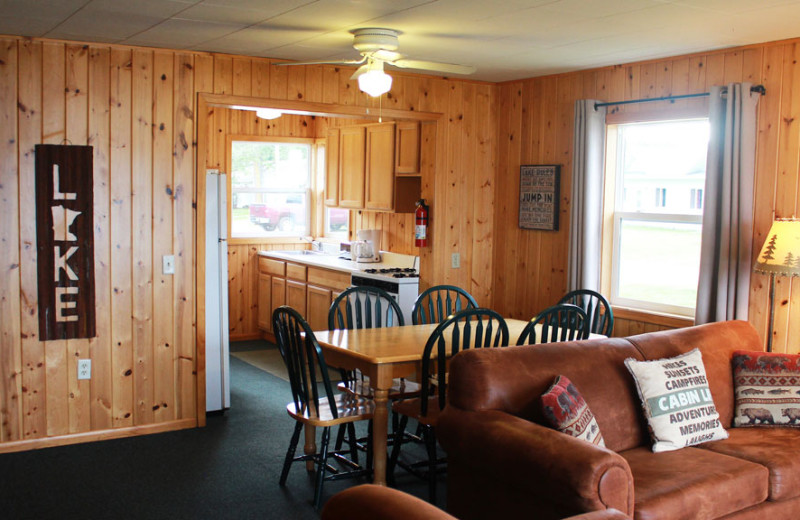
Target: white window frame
{"points": [[665, 218], [309, 192], [613, 219]]}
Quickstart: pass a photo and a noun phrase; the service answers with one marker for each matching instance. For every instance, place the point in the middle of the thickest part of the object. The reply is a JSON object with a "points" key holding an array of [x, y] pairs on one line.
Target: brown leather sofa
{"points": [[502, 463], [370, 502]]}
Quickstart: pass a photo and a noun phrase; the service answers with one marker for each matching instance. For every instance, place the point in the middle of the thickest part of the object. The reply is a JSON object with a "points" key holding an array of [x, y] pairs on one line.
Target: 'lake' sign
{"points": [[64, 221]]}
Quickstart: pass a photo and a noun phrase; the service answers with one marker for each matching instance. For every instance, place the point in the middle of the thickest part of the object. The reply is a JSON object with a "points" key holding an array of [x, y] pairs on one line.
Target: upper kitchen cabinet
{"points": [[406, 157], [379, 185], [352, 166], [378, 166]]}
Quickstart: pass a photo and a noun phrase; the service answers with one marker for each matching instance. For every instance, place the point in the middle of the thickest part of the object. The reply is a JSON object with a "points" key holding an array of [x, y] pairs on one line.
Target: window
{"points": [[270, 188], [655, 239]]}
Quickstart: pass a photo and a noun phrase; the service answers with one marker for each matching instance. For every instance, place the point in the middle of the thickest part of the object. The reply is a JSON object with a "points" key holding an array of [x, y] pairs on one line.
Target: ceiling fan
{"points": [[378, 47]]}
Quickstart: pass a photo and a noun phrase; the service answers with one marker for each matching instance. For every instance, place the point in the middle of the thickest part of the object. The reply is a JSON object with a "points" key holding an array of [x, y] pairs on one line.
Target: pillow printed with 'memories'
{"points": [[767, 389], [677, 401]]}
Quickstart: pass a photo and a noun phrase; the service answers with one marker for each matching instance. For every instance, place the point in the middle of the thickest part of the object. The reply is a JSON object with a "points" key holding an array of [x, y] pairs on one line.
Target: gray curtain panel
{"points": [[726, 250], [588, 158]]}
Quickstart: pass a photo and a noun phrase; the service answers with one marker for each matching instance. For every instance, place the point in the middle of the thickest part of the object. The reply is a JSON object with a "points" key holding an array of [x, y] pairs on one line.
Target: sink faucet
{"points": [[315, 245]]}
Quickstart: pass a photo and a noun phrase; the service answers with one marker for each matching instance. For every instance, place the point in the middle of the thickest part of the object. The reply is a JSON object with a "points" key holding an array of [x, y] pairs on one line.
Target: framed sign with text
{"points": [[538, 196], [65, 241]]}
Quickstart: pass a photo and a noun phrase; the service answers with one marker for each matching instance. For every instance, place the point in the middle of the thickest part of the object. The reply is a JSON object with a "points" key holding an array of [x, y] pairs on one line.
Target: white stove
{"points": [[402, 283]]}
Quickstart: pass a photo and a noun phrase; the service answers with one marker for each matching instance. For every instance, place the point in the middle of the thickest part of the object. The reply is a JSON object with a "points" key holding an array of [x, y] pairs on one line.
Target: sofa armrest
{"points": [[542, 463], [368, 502]]}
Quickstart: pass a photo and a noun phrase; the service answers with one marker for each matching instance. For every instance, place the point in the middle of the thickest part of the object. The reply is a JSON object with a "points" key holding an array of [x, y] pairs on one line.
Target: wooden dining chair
{"points": [[436, 303], [596, 307], [470, 328], [315, 404], [563, 322]]}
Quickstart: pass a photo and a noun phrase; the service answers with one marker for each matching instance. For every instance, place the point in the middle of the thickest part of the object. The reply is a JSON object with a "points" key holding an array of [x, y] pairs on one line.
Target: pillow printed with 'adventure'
{"points": [[677, 401]]}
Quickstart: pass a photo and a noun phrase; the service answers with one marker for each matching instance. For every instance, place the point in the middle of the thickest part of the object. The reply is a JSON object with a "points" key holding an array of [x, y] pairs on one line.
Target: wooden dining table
{"points": [[383, 354]]}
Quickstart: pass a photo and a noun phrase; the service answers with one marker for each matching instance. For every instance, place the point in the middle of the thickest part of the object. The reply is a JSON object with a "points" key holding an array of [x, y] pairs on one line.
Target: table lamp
{"points": [[780, 256]]}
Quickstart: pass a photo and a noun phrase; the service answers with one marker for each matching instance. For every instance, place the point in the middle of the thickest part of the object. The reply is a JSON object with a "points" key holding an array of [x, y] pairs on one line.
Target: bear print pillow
{"points": [[766, 388]]}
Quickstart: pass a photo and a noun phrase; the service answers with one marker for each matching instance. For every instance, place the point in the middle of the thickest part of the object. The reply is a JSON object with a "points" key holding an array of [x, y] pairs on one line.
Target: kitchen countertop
{"points": [[333, 262]]}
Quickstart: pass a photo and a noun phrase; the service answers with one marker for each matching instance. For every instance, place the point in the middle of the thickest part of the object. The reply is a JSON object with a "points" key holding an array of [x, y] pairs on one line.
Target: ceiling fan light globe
{"points": [[375, 83], [269, 113]]}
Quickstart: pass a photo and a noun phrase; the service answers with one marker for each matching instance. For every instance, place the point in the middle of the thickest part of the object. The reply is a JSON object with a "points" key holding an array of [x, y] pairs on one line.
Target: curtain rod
{"points": [[756, 88]]}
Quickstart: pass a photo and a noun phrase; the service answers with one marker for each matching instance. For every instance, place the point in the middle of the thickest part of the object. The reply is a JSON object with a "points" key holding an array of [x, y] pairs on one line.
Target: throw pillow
{"points": [[677, 401], [566, 410], [767, 389]]}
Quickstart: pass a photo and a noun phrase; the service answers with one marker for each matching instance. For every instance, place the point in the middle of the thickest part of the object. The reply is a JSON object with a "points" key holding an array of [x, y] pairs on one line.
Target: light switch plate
{"points": [[168, 266], [455, 260]]}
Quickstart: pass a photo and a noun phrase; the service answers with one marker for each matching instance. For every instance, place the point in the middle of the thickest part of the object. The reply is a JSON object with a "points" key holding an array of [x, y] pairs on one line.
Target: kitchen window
{"points": [[654, 240], [270, 187]]}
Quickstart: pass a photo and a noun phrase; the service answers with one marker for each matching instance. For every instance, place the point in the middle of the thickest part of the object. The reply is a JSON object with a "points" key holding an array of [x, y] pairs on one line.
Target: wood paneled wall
{"points": [[137, 107], [535, 125]]}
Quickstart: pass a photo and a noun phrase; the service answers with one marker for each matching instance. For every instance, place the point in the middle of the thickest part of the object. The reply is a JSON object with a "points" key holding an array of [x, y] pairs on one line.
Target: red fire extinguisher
{"points": [[421, 227]]}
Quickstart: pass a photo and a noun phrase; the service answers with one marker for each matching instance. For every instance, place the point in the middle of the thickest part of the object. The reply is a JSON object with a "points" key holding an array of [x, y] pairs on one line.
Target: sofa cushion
{"points": [[677, 401], [693, 483], [778, 449], [565, 409], [767, 387]]}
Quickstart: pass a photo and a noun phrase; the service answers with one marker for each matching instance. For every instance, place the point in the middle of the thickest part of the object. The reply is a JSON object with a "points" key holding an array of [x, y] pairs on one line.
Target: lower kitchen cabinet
{"points": [[319, 300], [277, 295], [265, 302], [296, 295]]}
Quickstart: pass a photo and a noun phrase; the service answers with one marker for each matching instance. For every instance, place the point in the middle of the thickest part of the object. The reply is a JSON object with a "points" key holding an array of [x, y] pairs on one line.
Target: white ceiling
{"points": [[504, 39]]}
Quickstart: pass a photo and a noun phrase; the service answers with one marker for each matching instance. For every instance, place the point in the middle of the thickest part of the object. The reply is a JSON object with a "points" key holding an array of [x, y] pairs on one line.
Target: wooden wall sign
{"points": [[538, 196], [65, 239]]}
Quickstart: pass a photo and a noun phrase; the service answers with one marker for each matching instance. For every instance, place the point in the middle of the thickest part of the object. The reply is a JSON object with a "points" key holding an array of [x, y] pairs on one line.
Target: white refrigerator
{"points": [[218, 392]]}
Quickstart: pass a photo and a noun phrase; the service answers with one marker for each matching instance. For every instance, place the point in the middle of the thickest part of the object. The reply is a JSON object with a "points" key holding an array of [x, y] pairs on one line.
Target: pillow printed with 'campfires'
{"points": [[677, 401]]}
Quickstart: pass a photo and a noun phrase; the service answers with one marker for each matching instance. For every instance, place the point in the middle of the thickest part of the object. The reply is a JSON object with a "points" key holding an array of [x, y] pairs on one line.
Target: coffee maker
{"points": [[367, 248]]}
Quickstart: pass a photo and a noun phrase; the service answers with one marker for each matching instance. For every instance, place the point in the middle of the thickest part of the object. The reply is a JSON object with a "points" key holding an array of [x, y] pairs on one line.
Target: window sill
{"points": [[242, 241], [665, 320]]}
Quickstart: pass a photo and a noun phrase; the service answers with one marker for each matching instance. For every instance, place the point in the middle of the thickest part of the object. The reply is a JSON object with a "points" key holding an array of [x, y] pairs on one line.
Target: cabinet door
{"points": [[352, 143], [296, 296], [332, 168], [406, 150], [265, 302], [380, 167], [318, 302], [278, 294]]}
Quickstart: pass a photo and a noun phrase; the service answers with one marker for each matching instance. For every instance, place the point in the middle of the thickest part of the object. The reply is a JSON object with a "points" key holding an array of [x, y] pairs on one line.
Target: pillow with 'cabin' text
{"points": [[677, 401]]}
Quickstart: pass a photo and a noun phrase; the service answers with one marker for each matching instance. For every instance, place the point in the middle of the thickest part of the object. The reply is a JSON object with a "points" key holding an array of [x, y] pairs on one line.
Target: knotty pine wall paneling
{"points": [[535, 124]]}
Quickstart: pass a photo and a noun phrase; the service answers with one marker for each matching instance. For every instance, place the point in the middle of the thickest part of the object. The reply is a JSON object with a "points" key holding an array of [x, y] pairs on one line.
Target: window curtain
{"points": [[587, 196], [726, 248]]}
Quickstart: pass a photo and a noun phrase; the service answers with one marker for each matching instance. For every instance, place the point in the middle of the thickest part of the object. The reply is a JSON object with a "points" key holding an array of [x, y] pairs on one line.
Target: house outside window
{"points": [[270, 188], [655, 240]]}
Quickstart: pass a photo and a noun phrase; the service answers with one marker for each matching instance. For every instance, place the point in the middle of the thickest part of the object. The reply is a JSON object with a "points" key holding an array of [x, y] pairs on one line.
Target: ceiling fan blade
{"points": [[361, 70], [450, 68], [323, 62]]}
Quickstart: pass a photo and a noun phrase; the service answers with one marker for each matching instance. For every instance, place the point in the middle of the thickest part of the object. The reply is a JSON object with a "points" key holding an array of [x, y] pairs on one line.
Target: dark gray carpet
{"points": [[229, 469]]}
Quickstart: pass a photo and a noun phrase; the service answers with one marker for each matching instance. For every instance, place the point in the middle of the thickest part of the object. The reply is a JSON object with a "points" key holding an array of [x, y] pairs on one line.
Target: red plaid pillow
{"points": [[567, 412]]}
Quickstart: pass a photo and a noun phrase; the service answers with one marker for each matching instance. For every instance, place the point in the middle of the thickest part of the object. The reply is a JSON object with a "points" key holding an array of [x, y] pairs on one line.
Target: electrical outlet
{"points": [[168, 264], [84, 369], [455, 260]]}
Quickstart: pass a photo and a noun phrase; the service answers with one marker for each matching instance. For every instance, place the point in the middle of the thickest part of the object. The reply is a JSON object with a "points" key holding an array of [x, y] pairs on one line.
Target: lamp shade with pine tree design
{"points": [[781, 252]]}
